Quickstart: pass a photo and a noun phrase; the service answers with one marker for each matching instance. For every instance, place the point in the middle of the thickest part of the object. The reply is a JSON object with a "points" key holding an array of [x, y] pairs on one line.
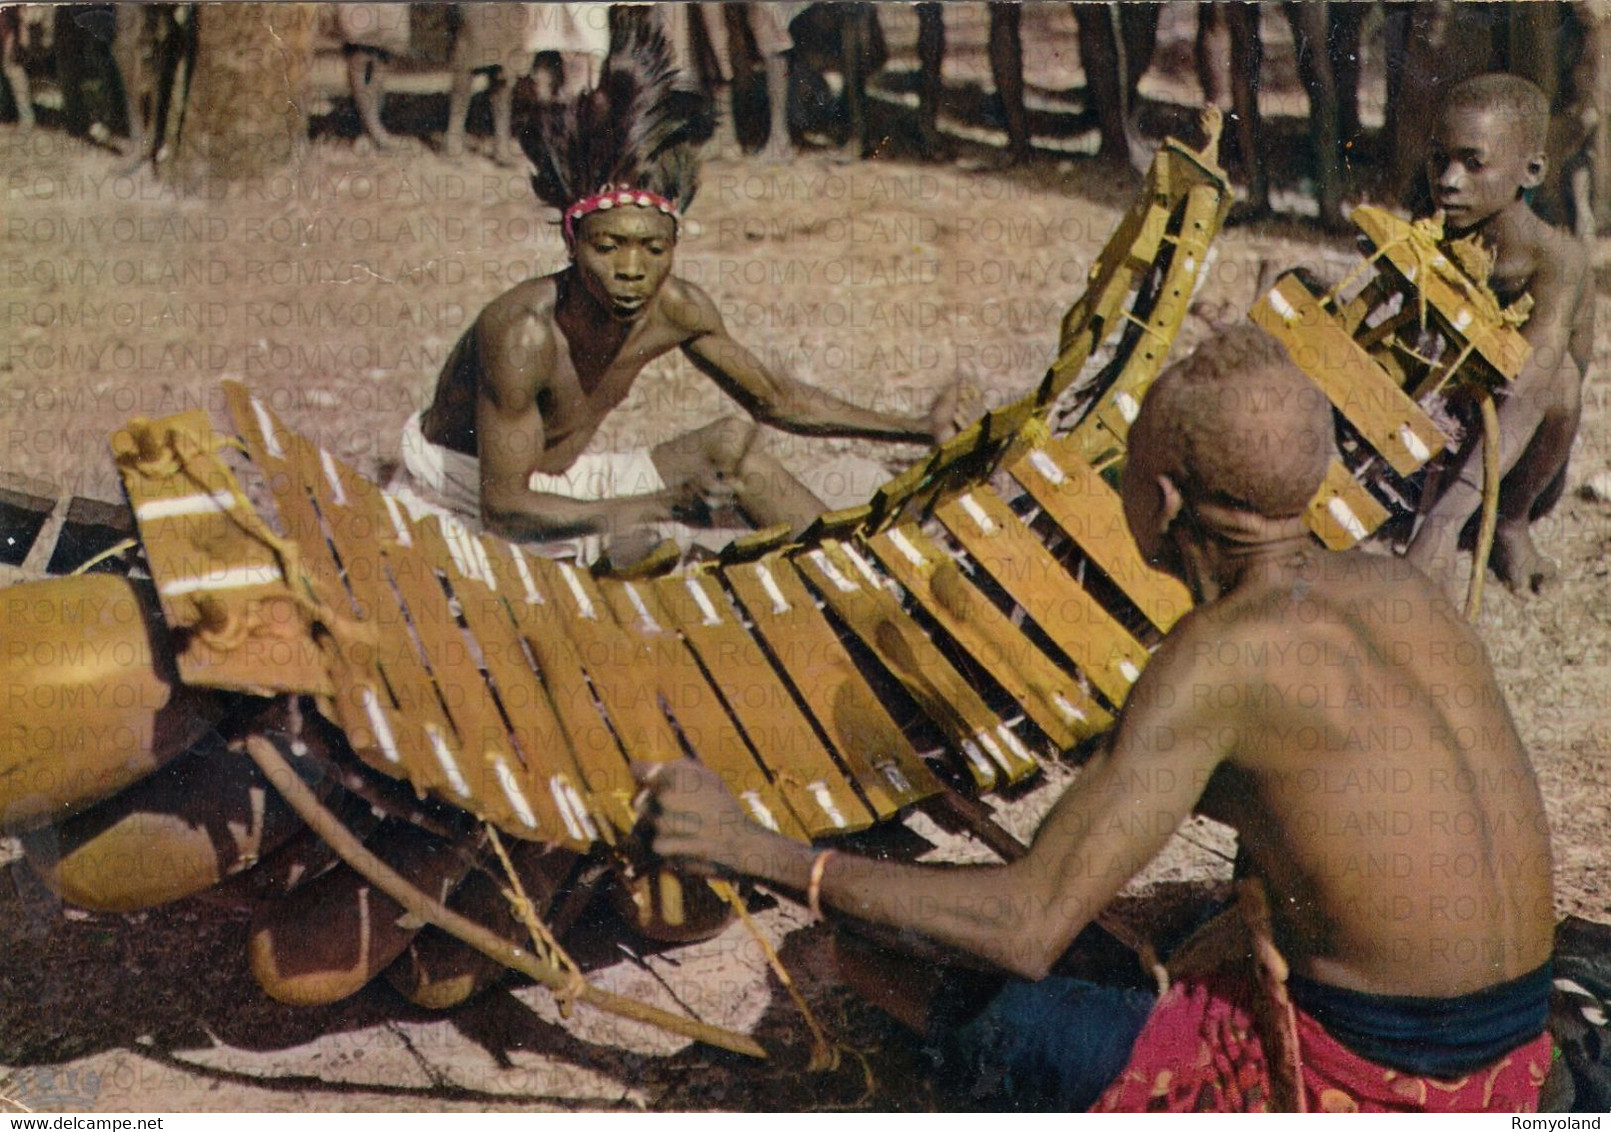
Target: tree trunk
{"points": [[1445, 42], [1596, 83], [247, 112]]}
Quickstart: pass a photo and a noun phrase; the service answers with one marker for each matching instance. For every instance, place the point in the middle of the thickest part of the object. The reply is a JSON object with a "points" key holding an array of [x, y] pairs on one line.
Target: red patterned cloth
{"points": [[1201, 1052]]}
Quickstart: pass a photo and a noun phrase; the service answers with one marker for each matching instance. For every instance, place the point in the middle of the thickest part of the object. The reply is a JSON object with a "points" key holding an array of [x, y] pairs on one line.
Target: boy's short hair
{"points": [[1511, 97], [1239, 423]]}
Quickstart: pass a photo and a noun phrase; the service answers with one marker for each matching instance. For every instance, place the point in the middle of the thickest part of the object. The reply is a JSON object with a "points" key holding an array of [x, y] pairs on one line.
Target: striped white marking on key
{"points": [[988, 742], [1128, 669], [707, 608], [584, 604], [976, 513], [895, 778], [831, 572], [232, 578], [511, 790], [582, 816], [1417, 449], [1345, 515], [1014, 744], [768, 583], [532, 596], [265, 425], [900, 542], [971, 751], [483, 562], [444, 756], [1288, 312], [1463, 319], [379, 724], [649, 624], [338, 494], [203, 503], [1046, 466], [1129, 408], [819, 791], [757, 807], [399, 524], [863, 565], [453, 535], [557, 786], [1068, 710]]}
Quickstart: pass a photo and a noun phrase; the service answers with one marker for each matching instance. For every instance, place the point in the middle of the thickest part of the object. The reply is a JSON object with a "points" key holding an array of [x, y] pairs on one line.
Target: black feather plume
{"points": [[633, 131]]}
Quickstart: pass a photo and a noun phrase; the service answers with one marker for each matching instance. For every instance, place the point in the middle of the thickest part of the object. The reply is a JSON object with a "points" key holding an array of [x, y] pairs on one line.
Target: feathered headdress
{"points": [[632, 141]]}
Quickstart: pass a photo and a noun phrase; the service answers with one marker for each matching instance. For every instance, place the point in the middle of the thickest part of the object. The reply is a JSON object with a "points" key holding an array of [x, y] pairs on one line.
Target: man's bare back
{"points": [[1331, 707], [1377, 781]]}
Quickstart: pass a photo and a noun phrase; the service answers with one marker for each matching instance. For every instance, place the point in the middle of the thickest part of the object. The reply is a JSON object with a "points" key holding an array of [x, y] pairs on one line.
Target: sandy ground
{"points": [[335, 290]]}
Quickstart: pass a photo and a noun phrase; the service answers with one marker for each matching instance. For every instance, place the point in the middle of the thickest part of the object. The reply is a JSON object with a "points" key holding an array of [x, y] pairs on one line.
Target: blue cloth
{"points": [[1431, 1037], [1047, 1046]]}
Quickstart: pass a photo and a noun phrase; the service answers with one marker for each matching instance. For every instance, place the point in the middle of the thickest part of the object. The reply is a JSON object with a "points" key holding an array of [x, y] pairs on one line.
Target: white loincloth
{"points": [[437, 480]]}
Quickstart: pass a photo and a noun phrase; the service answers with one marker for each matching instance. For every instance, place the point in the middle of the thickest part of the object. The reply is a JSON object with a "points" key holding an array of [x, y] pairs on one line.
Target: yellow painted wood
{"points": [[1117, 407], [383, 676], [592, 780], [541, 745], [1362, 391], [400, 686], [780, 732], [1502, 347], [1077, 498], [946, 696], [868, 740], [1343, 513], [1049, 696], [214, 574], [1093, 639], [697, 710], [621, 674]]}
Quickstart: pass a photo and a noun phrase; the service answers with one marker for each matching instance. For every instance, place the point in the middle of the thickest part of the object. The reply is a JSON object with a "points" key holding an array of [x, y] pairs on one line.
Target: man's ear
{"points": [[1537, 168], [1172, 503]]}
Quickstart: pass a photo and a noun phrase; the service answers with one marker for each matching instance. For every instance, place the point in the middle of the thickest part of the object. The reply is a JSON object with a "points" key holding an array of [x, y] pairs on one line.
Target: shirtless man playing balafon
{"points": [[1333, 708], [527, 387], [1487, 151]]}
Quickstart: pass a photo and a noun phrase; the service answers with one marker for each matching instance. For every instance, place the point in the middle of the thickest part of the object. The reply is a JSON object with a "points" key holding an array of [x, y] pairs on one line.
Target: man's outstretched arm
{"points": [[1022, 916], [786, 402]]}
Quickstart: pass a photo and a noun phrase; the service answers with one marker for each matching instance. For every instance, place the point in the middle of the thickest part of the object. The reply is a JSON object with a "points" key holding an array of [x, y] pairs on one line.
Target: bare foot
{"points": [[1517, 561]]}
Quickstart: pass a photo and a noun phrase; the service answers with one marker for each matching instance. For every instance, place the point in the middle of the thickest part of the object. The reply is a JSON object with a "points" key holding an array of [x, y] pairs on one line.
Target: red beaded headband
{"points": [[609, 198]]}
